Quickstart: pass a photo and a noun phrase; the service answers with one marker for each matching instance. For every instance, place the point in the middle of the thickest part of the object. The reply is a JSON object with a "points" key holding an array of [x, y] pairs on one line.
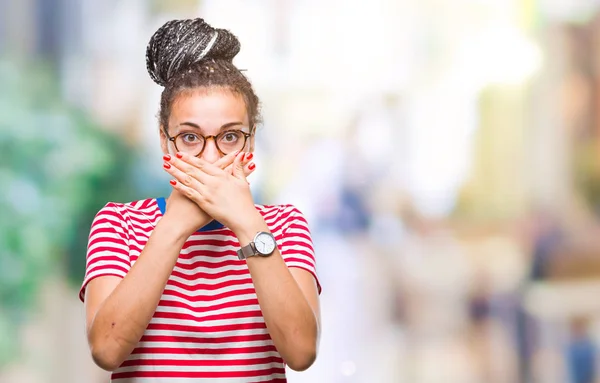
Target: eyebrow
{"points": [[225, 126]]}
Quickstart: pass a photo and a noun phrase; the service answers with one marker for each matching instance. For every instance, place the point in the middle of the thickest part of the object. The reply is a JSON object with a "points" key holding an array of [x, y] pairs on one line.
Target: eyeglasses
{"points": [[226, 142]]}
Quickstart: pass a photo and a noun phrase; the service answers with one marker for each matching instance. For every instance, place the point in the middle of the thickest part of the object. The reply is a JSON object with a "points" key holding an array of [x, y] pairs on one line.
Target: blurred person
{"points": [[545, 234], [204, 285], [581, 354]]}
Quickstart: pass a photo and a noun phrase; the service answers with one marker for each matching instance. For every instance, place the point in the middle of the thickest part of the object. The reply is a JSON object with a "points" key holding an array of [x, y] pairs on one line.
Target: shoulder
{"points": [[279, 210], [285, 214], [121, 211], [142, 204]]}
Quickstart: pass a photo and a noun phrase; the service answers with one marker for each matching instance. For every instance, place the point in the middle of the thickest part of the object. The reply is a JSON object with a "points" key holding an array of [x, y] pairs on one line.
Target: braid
{"points": [[184, 55]]}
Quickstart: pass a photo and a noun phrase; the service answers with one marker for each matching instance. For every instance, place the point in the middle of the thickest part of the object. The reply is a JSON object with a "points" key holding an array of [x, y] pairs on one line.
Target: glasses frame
{"points": [[212, 136]]}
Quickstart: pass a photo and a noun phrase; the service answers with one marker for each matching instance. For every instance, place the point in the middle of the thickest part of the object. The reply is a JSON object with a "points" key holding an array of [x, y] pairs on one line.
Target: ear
{"points": [[164, 141]]}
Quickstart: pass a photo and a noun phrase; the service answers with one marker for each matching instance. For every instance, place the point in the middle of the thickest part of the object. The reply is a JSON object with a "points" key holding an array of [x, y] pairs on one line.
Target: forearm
{"points": [[291, 321], [123, 317]]}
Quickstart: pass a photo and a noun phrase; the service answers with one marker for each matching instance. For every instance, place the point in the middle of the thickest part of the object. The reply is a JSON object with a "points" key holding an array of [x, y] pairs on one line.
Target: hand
{"points": [[225, 197], [185, 214]]}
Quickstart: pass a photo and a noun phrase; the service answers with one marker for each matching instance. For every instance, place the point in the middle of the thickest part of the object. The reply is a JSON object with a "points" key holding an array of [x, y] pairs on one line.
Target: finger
{"points": [[191, 193], [227, 160], [184, 178], [196, 162], [239, 156], [186, 167], [238, 165], [248, 168]]}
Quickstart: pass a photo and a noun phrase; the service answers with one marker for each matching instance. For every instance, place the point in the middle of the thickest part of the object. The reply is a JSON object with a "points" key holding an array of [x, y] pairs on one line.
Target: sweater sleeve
{"points": [[296, 245], [108, 249]]}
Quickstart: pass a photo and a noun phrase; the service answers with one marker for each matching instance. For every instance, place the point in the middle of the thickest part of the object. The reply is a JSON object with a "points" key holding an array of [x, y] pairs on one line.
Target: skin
{"points": [[211, 186]]}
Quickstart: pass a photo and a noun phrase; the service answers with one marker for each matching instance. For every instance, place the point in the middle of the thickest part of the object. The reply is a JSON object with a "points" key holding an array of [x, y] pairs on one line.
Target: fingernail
{"points": [[166, 165], [173, 182], [249, 156], [251, 166], [167, 157], [179, 155]]}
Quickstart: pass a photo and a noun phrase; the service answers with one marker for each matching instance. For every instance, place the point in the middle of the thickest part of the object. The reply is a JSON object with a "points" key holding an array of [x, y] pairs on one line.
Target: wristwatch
{"points": [[263, 245]]}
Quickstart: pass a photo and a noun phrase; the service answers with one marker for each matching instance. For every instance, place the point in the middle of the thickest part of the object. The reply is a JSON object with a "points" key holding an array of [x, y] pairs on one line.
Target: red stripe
{"points": [[297, 246], [209, 287], [206, 351], [309, 264], [193, 339], [226, 316], [142, 219], [105, 214], [298, 233], [146, 230], [197, 374], [210, 265], [294, 253], [103, 247], [106, 258], [199, 275], [195, 241], [245, 302], [109, 268], [207, 298], [106, 232], [193, 362], [206, 329]]}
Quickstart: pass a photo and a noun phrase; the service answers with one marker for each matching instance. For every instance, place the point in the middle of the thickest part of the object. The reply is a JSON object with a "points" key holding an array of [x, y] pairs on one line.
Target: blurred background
{"points": [[446, 154]]}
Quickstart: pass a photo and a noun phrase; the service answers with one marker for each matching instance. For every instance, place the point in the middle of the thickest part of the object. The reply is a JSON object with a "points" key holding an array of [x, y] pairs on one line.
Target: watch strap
{"points": [[247, 251]]}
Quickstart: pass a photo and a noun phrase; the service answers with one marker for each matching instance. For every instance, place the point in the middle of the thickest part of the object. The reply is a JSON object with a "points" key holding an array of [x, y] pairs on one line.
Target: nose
{"points": [[210, 153]]}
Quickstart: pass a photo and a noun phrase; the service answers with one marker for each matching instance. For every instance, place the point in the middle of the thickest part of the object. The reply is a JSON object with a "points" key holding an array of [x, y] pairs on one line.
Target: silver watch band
{"points": [[247, 251]]}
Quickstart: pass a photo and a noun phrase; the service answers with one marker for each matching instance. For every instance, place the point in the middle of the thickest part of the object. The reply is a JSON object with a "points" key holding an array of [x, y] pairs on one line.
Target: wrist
{"points": [[248, 227], [174, 228]]}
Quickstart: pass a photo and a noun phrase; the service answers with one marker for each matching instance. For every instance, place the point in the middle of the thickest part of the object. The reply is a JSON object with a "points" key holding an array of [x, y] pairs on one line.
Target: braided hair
{"points": [[184, 55]]}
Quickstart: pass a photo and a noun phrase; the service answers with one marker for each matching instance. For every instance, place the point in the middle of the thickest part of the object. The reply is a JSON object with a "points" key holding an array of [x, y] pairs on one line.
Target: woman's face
{"points": [[207, 112]]}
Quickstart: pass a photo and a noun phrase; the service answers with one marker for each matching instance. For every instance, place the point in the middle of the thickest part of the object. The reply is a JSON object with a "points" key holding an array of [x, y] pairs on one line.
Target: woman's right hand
{"points": [[185, 216]]}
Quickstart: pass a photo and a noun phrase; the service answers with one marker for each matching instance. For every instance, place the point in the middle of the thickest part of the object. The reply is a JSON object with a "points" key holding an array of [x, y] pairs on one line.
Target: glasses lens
{"points": [[189, 143], [230, 141]]}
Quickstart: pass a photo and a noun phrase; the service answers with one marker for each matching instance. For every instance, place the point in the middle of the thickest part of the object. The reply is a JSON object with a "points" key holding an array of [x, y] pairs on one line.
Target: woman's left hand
{"points": [[224, 195]]}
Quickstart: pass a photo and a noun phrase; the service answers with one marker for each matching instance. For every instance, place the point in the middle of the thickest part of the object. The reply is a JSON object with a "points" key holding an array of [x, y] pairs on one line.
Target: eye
{"points": [[230, 137], [190, 138]]}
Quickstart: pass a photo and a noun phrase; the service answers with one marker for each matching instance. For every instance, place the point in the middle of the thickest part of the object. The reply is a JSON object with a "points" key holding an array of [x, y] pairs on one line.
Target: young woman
{"points": [[205, 285]]}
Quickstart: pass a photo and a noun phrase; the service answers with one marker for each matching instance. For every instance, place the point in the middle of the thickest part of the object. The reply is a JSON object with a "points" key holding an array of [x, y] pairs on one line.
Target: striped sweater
{"points": [[208, 324]]}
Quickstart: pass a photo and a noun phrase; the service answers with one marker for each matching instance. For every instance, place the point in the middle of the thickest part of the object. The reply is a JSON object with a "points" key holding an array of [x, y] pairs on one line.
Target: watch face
{"points": [[264, 243]]}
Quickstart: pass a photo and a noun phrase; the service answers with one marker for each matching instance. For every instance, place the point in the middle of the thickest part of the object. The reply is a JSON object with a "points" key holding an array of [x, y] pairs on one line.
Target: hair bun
{"points": [[178, 44]]}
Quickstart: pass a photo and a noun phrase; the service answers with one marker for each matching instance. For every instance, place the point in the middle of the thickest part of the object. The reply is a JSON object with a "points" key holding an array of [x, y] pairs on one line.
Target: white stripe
{"points": [[208, 380], [102, 272], [227, 310], [206, 304], [208, 259], [114, 245], [210, 346], [205, 357], [109, 265], [182, 369], [212, 270], [301, 242], [207, 335], [209, 248], [210, 293], [211, 282], [252, 367], [214, 322]]}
